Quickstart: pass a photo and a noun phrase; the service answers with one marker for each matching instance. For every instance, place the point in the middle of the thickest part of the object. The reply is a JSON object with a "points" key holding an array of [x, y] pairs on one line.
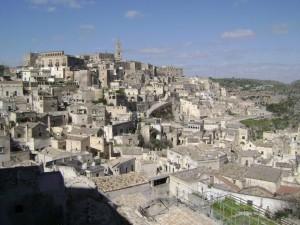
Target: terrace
{"points": [[231, 210]]}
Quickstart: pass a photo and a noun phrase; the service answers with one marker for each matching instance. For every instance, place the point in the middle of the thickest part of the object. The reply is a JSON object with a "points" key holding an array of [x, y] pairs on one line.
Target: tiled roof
{"points": [[283, 190], [264, 173]]}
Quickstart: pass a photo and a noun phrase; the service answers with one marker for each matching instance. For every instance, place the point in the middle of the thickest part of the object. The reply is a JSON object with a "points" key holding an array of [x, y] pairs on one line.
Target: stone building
{"points": [[4, 149], [169, 70], [30, 59], [193, 156], [83, 78], [11, 88], [106, 74], [30, 130], [30, 74], [44, 104], [101, 57], [79, 114], [77, 144], [114, 98], [118, 51], [7, 104], [58, 59], [98, 114], [119, 113], [263, 176]]}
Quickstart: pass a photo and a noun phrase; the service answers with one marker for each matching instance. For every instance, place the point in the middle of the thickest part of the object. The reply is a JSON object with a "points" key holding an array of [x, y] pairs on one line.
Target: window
{"points": [[7, 93], [1, 149]]}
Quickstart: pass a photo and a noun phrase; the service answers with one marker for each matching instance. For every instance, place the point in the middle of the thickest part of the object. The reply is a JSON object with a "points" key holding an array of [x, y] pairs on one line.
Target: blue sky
{"points": [[240, 38]]}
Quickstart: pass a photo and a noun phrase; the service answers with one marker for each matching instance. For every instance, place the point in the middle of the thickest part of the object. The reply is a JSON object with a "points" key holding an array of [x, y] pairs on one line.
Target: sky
{"points": [[218, 38]]}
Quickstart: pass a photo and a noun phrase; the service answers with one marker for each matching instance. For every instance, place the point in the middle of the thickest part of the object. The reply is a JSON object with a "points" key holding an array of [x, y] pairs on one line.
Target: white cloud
{"points": [[280, 28], [156, 51], [187, 44], [51, 9], [58, 38], [39, 2], [240, 2], [193, 55], [51, 4], [87, 27], [239, 33], [266, 71], [132, 14]]}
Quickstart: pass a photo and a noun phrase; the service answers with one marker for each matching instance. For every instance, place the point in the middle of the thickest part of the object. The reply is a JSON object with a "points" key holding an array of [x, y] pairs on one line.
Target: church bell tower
{"points": [[118, 51]]}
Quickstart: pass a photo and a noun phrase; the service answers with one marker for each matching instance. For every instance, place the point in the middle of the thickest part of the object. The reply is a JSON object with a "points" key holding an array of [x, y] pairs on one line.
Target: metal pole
{"points": [[248, 220], [231, 212], [223, 211]]}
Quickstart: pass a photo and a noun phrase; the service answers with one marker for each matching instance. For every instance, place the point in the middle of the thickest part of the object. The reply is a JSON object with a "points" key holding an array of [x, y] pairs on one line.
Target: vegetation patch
{"points": [[233, 212], [257, 127]]}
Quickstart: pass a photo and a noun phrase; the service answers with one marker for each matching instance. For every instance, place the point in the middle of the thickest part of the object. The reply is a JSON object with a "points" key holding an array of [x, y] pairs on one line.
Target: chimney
{"points": [[26, 133], [110, 149], [49, 123]]}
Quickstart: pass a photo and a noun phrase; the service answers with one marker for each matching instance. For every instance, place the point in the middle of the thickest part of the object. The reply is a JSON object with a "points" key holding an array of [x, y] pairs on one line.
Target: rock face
{"points": [[31, 196]]}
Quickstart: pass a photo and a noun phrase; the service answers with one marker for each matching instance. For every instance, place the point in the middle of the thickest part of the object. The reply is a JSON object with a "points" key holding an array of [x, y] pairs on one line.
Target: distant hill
{"points": [[4, 70], [253, 84], [295, 86], [286, 112]]}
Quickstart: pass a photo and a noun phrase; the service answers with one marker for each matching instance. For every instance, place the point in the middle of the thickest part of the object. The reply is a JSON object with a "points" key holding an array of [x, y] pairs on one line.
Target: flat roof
{"points": [[117, 182]]}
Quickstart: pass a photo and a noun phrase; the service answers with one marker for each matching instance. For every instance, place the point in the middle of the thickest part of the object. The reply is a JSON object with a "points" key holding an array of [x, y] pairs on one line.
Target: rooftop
{"points": [[233, 170], [264, 173], [199, 152], [249, 153], [261, 143], [190, 176], [59, 154], [257, 191], [113, 183], [132, 150]]}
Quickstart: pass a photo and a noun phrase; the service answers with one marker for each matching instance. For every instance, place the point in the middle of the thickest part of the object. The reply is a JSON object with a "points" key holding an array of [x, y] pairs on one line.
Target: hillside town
{"points": [[98, 139]]}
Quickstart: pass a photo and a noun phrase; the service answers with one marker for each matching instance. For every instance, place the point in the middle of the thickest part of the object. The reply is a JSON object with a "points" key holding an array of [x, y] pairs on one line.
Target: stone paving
{"points": [[175, 215], [182, 215]]}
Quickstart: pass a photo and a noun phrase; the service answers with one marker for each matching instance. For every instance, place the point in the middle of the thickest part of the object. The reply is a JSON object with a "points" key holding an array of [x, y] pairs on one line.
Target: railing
{"points": [[267, 214], [250, 211]]}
